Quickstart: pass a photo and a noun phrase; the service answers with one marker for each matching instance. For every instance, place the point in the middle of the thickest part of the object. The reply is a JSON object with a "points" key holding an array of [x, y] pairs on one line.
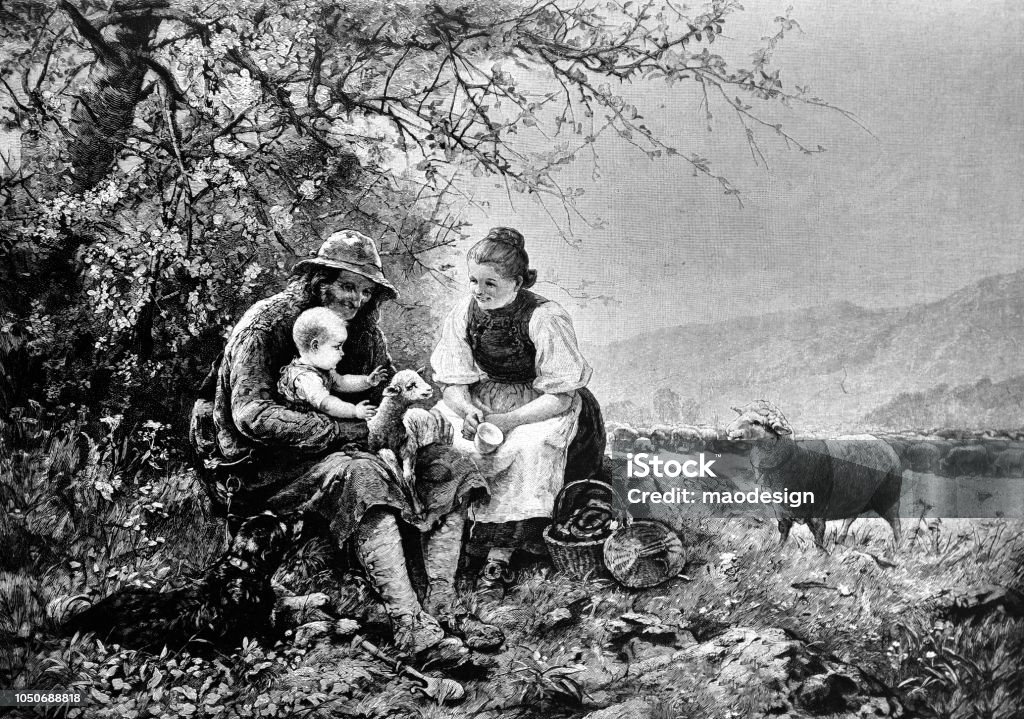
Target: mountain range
{"points": [[837, 367]]}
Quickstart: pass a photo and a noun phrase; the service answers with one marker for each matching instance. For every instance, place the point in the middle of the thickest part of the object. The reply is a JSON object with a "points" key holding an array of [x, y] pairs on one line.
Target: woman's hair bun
{"points": [[505, 248], [507, 236]]}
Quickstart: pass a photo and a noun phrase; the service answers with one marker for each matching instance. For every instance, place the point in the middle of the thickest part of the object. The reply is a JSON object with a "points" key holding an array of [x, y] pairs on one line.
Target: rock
{"points": [[825, 693], [346, 627], [308, 633], [555, 618], [632, 709], [636, 649]]}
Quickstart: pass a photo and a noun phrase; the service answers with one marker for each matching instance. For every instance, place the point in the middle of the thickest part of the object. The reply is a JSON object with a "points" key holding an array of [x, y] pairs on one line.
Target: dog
{"points": [[231, 601]]}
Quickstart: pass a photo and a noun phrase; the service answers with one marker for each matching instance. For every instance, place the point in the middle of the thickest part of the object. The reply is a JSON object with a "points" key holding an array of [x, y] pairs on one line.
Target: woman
{"points": [[510, 357], [270, 455]]}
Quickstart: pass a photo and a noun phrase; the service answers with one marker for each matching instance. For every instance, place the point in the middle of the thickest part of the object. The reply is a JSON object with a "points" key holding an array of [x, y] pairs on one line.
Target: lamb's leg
{"points": [[847, 523], [409, 475]]}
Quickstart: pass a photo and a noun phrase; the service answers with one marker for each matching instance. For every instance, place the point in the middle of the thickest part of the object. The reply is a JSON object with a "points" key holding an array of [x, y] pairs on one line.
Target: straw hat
{"points": [[353, 252]]}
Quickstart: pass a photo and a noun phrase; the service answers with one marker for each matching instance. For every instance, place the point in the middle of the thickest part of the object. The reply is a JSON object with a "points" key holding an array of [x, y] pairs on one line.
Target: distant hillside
{"points": [[984, 404], [828, 367]]}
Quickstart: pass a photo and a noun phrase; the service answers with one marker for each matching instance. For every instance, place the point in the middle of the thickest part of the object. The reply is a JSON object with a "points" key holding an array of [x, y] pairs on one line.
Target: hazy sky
{"points": [[931, 203]]}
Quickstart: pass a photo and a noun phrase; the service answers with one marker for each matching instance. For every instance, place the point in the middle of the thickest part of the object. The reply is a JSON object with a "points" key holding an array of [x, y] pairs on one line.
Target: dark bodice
{"points": [[502, 348], [500, 339]]}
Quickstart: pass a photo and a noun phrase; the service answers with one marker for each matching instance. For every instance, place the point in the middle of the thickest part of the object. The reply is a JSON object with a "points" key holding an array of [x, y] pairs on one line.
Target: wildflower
{"points": [[112, 422]]}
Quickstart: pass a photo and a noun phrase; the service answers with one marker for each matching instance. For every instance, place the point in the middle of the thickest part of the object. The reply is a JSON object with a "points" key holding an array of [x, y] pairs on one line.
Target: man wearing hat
{"points": [[276, 456]]}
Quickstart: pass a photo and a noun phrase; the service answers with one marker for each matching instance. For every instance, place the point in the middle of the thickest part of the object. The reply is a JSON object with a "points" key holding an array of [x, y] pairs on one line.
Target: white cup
{"points": [[488, 438]]}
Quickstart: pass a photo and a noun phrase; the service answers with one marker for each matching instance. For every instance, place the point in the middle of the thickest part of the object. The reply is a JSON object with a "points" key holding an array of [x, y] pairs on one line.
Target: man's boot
{"points": [[441, 550], [441, 560], [379, 547]]}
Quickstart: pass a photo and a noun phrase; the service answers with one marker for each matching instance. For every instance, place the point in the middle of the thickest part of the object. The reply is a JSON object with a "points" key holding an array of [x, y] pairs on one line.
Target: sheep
{"points": [[1009, 463], [398, 431], [686, 439], [848, 477], [611, 425], [709, 438], [972, 460], [623, 439], [917, 455], [924, 456], [661, 436], [643, 444]]}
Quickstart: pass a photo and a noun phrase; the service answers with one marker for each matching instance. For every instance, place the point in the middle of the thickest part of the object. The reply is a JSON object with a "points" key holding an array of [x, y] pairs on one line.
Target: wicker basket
{"points": [[576, 558], [644, 553]]}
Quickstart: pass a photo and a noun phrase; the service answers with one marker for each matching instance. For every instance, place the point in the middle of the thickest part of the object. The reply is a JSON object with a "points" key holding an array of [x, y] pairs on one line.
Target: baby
{"points": [[310, 378]]}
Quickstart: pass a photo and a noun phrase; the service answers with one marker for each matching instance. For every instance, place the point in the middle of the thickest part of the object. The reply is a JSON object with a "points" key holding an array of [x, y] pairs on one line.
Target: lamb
{"points": [[398, 431], [847, 476]]}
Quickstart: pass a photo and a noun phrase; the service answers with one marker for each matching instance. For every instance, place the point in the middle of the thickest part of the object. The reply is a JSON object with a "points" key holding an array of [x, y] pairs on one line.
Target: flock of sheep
{"points": [[848, 475], [947, 453]]}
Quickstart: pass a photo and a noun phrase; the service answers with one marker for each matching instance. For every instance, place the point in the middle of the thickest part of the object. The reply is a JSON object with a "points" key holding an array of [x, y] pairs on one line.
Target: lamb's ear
{"points": [[737, 410], [780, 429], [421, 370], [391, 391]]}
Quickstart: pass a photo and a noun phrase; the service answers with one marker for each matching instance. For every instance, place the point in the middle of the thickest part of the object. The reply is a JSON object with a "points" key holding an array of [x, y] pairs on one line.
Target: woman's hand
{"points": [[474, 417]]}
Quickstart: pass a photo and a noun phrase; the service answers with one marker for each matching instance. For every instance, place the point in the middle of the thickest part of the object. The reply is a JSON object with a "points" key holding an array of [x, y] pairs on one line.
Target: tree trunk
{"points": [[104, 114]]}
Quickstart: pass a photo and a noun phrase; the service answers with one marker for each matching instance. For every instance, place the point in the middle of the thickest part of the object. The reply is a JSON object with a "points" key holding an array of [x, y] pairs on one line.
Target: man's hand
{"points": [[473, 419], [378, 375], [445, 432], [365, 410]]}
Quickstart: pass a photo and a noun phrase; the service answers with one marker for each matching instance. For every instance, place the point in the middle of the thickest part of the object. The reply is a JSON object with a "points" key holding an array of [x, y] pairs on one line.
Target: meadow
{"points": [[746, 629]]}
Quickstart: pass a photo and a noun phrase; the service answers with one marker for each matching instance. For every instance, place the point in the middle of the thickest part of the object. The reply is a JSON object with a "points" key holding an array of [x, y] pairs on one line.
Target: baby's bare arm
{"points": [[338, 408], [347, 383]]}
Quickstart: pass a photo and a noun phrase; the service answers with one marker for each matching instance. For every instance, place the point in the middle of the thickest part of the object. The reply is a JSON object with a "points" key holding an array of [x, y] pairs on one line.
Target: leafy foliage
{"points": [[255, 128]]}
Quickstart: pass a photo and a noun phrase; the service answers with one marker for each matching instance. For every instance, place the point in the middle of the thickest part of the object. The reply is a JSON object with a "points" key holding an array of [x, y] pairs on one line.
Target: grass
{"points": [[83, 517]]}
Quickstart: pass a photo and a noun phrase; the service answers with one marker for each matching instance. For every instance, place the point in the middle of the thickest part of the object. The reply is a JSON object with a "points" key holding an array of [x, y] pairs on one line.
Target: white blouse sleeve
{"points": [[560, 366], [452, 359]]}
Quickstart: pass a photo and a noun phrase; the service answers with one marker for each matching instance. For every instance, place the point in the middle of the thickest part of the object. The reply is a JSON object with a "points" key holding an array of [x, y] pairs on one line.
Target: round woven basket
{"points": [[644, 553], [577, 558]]}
